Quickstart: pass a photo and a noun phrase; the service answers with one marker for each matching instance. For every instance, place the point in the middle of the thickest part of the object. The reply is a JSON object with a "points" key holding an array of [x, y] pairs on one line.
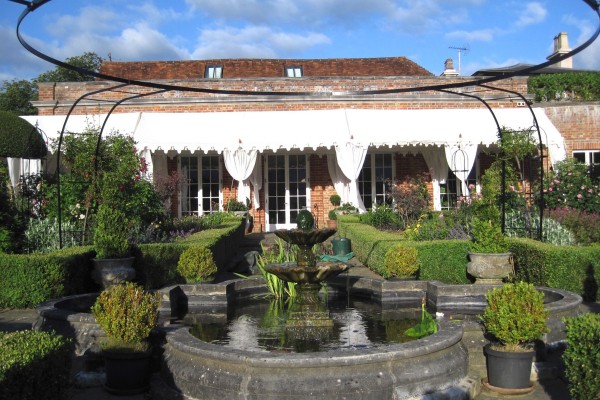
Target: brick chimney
{"points": [[561, 46], [449, 68]]}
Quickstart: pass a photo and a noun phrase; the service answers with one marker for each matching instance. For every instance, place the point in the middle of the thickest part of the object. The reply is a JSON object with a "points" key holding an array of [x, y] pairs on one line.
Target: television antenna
{"points": [[464, 49]]}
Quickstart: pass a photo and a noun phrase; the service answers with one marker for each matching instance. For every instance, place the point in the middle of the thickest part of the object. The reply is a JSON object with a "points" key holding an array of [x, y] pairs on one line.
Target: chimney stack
{"points": [[561, 46], [449, 68]]}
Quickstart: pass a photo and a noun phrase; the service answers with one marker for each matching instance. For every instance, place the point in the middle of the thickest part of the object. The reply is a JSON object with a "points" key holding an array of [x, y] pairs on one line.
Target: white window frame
{"points": [[294, 72], [376, 197], [200, 196], [213, 72]]}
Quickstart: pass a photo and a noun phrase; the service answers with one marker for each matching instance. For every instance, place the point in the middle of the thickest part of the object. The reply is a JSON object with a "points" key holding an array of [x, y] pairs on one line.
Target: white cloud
{"points": [[483, 35], [534, 13], [253, 42]]}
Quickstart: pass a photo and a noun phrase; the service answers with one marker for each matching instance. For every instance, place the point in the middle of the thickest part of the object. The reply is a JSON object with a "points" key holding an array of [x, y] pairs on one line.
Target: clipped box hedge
{"points": [[440, 260], [156, 263], [27, 280], [34, 366], [572, 268]]}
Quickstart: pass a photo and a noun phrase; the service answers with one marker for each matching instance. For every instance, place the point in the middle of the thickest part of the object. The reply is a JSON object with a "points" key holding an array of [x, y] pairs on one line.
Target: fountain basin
{"points": [[196, 369], [291, 272]]}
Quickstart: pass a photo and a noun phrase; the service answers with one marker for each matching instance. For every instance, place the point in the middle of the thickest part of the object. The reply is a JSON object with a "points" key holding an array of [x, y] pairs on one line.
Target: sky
{"points": [[492, 33]]}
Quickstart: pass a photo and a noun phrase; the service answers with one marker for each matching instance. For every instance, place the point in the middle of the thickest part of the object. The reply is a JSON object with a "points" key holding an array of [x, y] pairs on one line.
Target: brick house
{"points": [[311, 132]]}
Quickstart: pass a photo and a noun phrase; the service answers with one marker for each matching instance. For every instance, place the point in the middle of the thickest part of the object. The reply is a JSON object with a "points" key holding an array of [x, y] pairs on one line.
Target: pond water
{"points": [[262, 326]]}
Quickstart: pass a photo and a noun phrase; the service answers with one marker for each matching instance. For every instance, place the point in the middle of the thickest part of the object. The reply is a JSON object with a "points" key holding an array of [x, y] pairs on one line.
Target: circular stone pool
{"points": [[439, 365]]}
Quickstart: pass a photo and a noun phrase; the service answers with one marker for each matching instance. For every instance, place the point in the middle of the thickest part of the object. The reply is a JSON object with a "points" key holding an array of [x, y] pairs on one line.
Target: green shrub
{"points": [[443, 260], [487, 237], [126, 314], [111, 233], [34, 366], [42, 235], [382, 217], [582, 358], [196, 264], [18, 138], [401, 261], [335, 200], [515, 315]]}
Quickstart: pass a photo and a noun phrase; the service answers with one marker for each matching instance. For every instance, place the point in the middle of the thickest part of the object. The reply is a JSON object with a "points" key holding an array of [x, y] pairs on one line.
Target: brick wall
{"points": [[578, 124]]}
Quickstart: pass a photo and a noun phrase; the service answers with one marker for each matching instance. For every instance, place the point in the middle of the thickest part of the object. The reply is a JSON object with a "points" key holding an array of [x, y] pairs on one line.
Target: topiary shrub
{"points": [[110, 236], [34, 366], [196, 264], [582, 359], [126, 314], [18, 138], [401, 261], [515, 315]]}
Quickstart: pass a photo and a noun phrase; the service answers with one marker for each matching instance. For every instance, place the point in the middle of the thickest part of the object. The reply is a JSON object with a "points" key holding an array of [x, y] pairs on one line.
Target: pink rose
{"points": [[580, 196]]}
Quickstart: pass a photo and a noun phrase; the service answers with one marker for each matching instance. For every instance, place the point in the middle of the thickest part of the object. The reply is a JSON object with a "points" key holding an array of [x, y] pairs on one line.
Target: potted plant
{"points": [[514, 318], [113, 263], [335, 201], [236, 207], [490, 260], [127, 315]]}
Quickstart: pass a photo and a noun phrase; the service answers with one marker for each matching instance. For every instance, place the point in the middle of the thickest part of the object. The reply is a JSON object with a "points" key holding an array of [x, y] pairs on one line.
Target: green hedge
{"points": [[34, 366], [156, 264], [27, 280], [572, 268], [440, 260], [582, 359], [18, 138]]}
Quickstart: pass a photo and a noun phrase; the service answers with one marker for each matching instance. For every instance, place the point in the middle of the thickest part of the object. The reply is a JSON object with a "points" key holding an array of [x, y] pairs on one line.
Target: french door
{"points": [[287, 190]]}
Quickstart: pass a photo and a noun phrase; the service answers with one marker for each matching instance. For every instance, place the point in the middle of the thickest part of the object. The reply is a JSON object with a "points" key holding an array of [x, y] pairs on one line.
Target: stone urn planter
{"points": [[113, 271], [490, 268]]}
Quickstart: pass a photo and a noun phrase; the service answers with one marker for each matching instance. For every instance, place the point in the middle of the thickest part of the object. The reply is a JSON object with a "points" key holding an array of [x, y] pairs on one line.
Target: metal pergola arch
{"points": [[35, 4]]}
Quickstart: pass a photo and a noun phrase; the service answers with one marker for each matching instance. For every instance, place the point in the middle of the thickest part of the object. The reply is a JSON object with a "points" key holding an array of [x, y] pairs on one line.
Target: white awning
{"points": [[311, 129]]}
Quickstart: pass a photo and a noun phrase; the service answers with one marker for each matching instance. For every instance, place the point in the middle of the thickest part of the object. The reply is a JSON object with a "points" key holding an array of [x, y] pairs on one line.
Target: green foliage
{"points": [[34, 366], [332, 215], [27, 280], [196, 264], [570, 186], [582, 359], [519, 224], [401, 261], [126, 313], [572, 86], [382, 217], [234, 205], [16, 96], [515, 315], [335, 200], [279, 254], [88, 60], [18, 138], [305, 220], [111, 234], [42, 235], [487, 237], [585, 226], [427, 326]]}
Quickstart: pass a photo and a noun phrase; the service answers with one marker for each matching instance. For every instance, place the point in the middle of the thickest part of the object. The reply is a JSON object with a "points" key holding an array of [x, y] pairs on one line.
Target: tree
{"points": [[88, 60], [16, 97]]}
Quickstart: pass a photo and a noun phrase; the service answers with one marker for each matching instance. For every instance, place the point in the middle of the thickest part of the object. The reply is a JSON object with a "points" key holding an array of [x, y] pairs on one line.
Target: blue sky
{"points": [[497, 33]]}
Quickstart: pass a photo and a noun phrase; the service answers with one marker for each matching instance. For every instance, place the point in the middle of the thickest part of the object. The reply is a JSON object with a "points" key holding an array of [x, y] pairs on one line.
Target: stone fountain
{"points": [[307, 315]]}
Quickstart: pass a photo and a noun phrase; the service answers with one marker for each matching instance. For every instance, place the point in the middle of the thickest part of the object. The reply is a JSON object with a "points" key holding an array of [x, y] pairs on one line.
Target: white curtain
{"points": [[341, 184], [240, 164], [461, 158], [435, 158], [18, 167], [256, 181], [350, 159]]}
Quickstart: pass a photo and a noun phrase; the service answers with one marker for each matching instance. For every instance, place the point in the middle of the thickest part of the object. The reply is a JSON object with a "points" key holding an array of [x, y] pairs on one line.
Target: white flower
{"points": [[81, 216]]}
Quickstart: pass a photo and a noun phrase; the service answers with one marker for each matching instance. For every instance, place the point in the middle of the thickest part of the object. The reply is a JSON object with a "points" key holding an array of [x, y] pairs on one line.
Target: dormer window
{"points": [[293, 72], [213, 72]]}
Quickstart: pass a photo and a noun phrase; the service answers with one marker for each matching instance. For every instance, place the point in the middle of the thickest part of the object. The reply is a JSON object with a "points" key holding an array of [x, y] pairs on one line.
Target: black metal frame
{"points": [[35, 4]]}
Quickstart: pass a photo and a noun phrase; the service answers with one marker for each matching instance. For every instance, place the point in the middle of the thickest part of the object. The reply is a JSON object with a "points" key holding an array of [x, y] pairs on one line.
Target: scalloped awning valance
{"points": [[310, 129]]}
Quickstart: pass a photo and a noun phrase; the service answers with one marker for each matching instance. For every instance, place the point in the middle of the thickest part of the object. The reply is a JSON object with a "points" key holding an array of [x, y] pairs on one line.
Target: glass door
{"points": [[287, 190]]}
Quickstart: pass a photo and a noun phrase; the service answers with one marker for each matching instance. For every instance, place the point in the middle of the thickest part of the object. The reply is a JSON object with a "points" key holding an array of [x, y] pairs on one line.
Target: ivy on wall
{"points": [[568, 86]]}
